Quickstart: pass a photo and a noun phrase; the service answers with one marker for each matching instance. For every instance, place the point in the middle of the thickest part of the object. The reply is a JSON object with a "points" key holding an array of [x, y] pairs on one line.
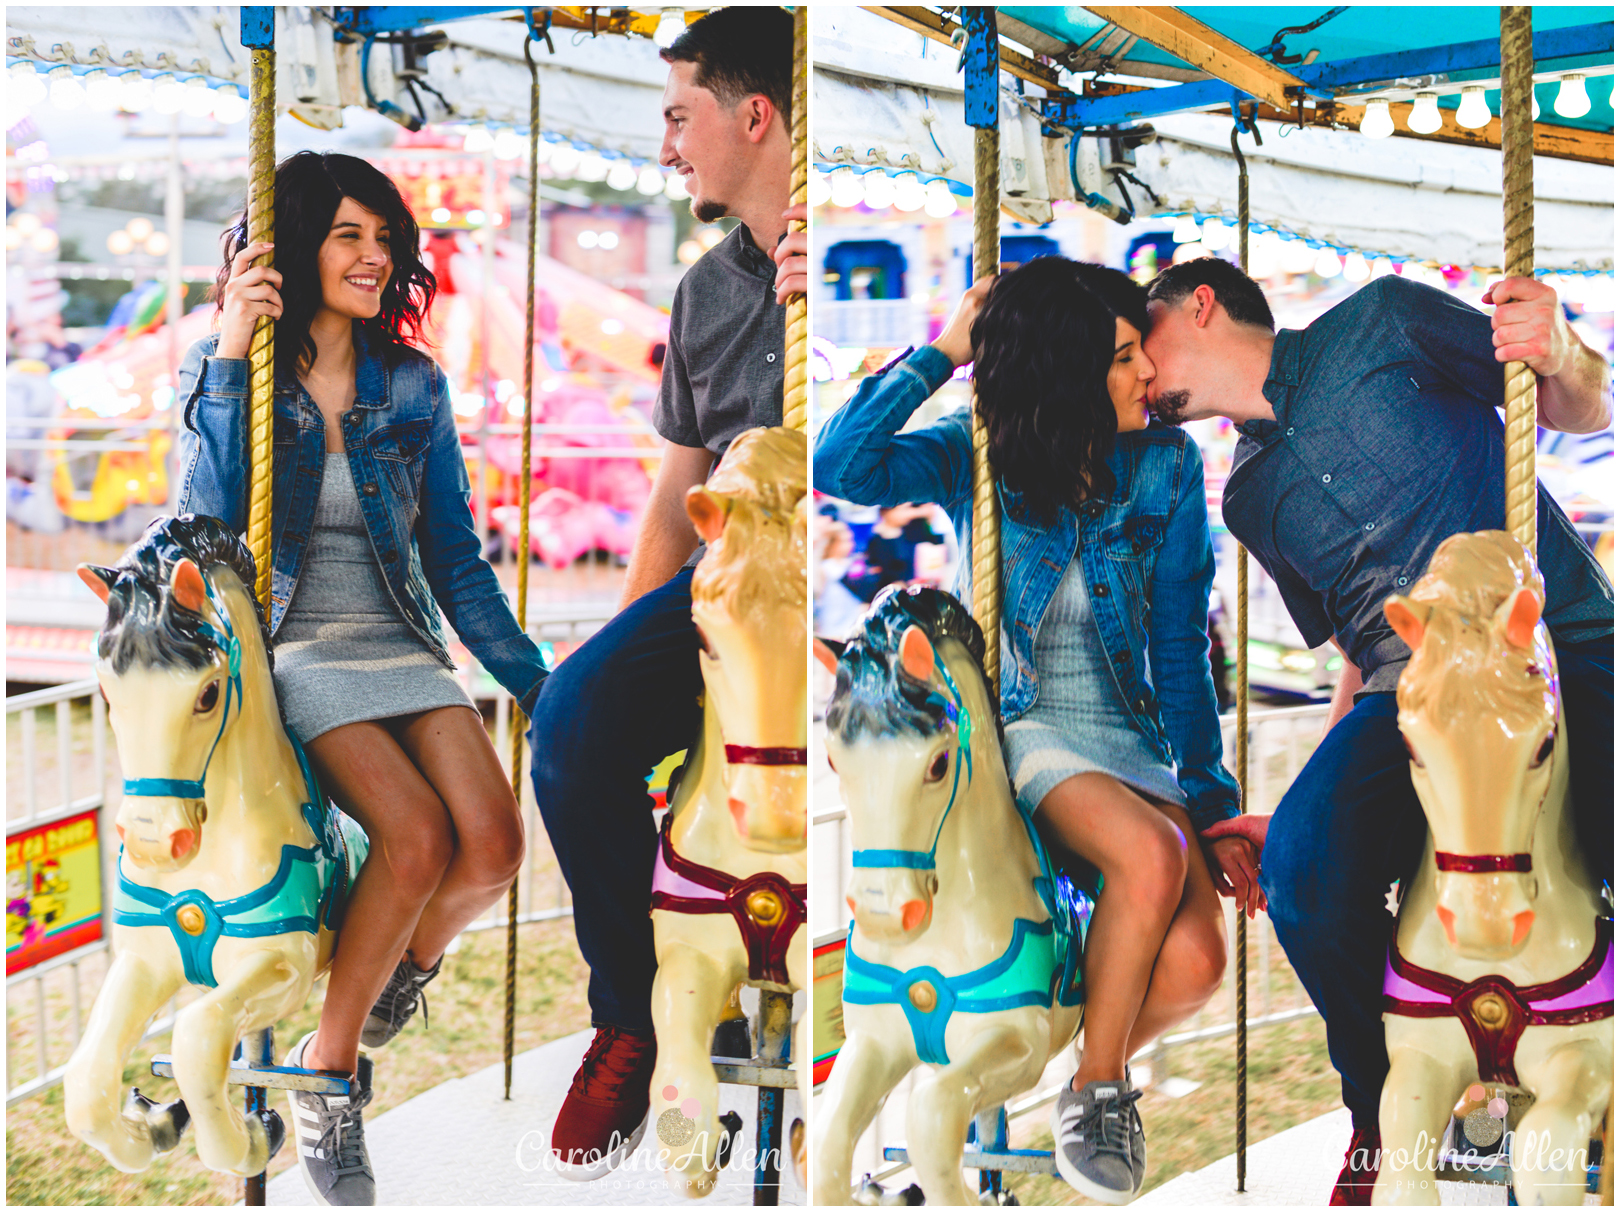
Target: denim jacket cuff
{"points": [[933, 367], [226, 376]]}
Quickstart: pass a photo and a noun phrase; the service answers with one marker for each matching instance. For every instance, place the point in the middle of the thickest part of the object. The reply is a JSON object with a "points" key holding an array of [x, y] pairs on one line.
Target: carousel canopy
{"points": [[1093, 108]]}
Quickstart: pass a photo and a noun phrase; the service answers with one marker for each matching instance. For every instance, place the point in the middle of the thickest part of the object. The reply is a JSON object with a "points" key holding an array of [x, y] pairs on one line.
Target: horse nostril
{"points": [[181, 842], [912, 914], [1521, 925], [739, 812], [120, 829], [1448, 919], [850, 901]]}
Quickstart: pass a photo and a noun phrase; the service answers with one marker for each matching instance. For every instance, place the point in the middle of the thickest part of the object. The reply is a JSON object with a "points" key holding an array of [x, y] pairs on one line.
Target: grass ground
{"points": [[46, 1164]]}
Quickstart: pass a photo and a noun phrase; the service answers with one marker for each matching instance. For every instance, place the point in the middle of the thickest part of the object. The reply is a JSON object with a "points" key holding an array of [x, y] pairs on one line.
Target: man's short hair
{"points": [[1238, 293], [740, 51]]}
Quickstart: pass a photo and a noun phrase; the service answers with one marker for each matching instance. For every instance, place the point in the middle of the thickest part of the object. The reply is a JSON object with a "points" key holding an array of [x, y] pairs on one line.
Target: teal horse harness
{"points": [[1041, 965], [308, 890]]}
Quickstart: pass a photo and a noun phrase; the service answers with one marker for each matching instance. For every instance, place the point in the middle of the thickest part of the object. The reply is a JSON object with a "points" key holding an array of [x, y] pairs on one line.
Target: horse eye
{"points": [[209, 697], [1545, 751], [937, 767], [1413, 753]]}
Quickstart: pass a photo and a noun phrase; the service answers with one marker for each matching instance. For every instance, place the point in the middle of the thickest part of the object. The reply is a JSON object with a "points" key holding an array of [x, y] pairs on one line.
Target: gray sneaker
{"points": [[1095, 1133], [405, 988], [331, 1139]]}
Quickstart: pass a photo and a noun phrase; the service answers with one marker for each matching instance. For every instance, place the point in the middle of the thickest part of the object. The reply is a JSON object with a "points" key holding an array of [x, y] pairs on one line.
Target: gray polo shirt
{"points": [[1386, 442]]}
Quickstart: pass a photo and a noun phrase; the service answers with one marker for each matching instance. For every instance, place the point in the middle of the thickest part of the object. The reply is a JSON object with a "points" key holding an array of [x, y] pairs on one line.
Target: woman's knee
{"points": [[1151, 864], [1195, 955], [496, 855], [418, 853]]}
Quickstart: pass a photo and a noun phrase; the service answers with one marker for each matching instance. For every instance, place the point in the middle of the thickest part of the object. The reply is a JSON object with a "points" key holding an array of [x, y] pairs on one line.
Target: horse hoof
{"points": [[911, 1197], [731, 1127], [274, 1130], [166, 1122]]}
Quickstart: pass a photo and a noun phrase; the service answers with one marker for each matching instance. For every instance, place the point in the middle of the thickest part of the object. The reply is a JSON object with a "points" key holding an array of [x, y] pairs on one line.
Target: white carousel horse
{"points": [[232, 873], [728, 902], [1501, 970], [965, 950]]}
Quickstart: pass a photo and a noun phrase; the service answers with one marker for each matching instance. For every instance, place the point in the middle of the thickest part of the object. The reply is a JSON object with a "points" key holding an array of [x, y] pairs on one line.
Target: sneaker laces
{"points": [[342, 1136], [406, 992], [1109, 1123], [614, 1058]]}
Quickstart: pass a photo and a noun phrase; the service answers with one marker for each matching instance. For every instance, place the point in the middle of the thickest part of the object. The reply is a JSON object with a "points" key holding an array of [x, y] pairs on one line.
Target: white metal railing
{"points": [[1281, 739], [67, 761]]}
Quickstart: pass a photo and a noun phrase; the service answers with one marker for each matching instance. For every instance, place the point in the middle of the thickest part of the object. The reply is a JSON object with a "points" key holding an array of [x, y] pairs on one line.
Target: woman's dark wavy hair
{"points": [[1042, 350], [309, 188]]}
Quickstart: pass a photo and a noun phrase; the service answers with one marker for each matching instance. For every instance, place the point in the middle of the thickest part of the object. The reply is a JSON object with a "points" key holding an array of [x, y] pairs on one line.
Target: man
{"points": [[629, 697], [1367, 438]]}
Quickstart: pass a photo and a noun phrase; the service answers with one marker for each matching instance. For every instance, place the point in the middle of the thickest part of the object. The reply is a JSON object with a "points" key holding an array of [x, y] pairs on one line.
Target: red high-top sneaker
{"points": [[1360, 1172], [605, 1113]]}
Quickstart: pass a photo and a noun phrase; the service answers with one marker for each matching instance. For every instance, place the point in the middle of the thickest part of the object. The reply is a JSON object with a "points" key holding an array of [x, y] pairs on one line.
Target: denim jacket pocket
{"points": [[401, 452], [1132, 548]]}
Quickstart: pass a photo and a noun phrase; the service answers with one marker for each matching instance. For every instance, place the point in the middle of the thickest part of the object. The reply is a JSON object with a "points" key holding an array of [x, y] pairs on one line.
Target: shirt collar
{"points": [[750, 256], [1282, 377]]}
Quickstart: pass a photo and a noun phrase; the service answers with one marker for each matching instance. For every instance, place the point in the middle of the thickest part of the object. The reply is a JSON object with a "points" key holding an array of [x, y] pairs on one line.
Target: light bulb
{"points": [[608, 240], [675, 188], [846, 187], [477, 140], [650, 181], [120, 243], [168, 94], [941, 202], [1355, 268], [818, 192], [44, 240], [157, 244], [1425, 116], [1216, 234], [1572, 100], [27, 223], [100, 89], [66, 91], [1185, 230], [230, 107], [621, 175], [1383, 267], [139, 227], [440, 214], [1472, 112], [1265, 251], [593, 166], [14, 239], [587, 239], [671, 25], [134, 92], [878, 188], [1297, 257], [909, 193], [199, 100], [1327, 264], [565, 159], [509, 145], [1376, 122], [27, 86]]}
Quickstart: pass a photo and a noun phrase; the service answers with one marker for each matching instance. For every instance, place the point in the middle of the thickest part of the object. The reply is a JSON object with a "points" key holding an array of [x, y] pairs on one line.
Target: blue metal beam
{"points": [[259, 27], [1131, 107], [395, 18], [981, 68]]}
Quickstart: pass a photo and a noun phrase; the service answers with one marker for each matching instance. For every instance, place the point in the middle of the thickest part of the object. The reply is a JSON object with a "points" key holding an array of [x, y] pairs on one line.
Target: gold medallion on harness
{"points": [[924, 997], [765, 907], [1490, 1011], [191, 919]]}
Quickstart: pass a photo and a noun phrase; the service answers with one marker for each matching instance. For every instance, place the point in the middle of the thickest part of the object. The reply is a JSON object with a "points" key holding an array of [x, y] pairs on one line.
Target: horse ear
{"points": [[917, 654], [707, 511], [1519, 615], [98, 578], [1407, 618], [186, 586], [826, 653]]}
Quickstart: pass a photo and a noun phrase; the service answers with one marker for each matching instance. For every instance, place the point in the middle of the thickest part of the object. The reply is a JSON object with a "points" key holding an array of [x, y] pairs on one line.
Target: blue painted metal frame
{"points": [[396, 18], [981, 68], [259, 27], [1322, 79]]}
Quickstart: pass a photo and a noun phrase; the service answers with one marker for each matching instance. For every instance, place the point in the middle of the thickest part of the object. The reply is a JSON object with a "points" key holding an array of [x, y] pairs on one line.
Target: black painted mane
{"points": [[874, 695], [144, 623]]}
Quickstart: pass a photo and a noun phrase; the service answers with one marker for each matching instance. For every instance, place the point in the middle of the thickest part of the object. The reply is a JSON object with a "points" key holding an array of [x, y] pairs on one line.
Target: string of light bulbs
{"points": [[1473, 111]]}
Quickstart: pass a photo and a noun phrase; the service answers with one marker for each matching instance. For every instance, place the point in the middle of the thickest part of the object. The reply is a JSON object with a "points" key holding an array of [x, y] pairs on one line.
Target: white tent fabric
{"points": [[881, 96]]}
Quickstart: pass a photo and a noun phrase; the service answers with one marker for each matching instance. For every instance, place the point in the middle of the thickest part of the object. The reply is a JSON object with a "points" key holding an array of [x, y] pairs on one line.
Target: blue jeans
{"points": [[1351, 823], [622, 702]]}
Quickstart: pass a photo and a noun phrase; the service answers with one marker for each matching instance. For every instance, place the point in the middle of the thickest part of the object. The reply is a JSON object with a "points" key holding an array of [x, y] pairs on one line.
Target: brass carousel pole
{"points": [[1518, 261], [796, 372], [1241, 747], [258, 33], [982, 66]]}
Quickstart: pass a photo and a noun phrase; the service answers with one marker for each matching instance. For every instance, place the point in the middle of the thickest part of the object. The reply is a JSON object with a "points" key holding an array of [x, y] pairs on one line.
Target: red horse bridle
{"points": [[1475, 864], [749, 755]]}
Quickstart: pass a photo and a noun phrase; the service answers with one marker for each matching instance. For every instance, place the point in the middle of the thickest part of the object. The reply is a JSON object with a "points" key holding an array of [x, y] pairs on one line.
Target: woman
{"points": [[1106, 570], [372, 538]]}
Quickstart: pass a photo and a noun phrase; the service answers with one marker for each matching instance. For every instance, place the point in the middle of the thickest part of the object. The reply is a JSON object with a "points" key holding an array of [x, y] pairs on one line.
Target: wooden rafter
{"points": [[941, 29]]}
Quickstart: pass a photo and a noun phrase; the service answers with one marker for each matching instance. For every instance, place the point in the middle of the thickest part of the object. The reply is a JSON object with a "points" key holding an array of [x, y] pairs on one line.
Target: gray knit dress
{"points": [[343, 653]]}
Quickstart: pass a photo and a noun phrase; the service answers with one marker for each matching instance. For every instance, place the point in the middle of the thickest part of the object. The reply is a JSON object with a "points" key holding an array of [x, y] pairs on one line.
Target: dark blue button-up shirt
{"points": [[1386, 442]]}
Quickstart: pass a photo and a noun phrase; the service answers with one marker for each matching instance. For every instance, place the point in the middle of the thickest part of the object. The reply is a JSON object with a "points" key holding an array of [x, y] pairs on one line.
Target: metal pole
{"points": [[259, 1048], [775, 1041], [1519, 261], [487, 376], [259, 34], [982, 109], [1241, 975], [796, 372]]}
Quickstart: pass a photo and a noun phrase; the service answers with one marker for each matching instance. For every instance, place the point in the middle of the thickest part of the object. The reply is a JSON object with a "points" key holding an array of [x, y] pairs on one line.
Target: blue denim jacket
{"points": [[1145, 552], [405, 456]]}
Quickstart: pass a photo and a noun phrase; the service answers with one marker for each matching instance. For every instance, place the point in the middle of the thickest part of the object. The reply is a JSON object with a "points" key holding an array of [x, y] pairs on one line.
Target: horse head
{"points": [[748, 601], [169, 659], [900, 736], [1479, 709]]}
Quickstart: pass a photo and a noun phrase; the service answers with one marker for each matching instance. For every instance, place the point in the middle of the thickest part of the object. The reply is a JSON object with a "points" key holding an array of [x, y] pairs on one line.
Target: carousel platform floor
{"points": [[462, 1145]]}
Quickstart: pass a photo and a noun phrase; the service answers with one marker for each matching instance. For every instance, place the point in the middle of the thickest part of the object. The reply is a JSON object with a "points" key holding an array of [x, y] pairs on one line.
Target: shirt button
{"points": [[1100, 590], [390, 556], [369, 489], [770, 357], [1400, 580], [1290, 431], [1368, 526], [1327, 479], [353, 419]]}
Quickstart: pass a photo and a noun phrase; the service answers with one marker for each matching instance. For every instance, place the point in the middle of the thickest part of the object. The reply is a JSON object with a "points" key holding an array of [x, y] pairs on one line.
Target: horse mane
{"points": [[1463, 666], [874, 695], [761, 552], [144, 622]]}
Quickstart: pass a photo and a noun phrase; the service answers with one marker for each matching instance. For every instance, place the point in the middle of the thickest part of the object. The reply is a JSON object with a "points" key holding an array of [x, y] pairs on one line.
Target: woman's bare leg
{"points": [[454, 754], [363, 767]]}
